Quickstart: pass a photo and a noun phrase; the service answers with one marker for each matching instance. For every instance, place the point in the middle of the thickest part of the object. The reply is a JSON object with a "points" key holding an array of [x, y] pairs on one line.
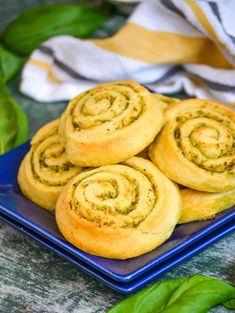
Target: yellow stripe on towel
{"points": [[203, 20], [41, 64], [137, 42], [46, 67]]}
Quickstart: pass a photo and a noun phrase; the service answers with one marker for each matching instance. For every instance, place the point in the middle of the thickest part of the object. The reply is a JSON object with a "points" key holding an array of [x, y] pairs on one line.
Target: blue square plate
{"points": [[142, 280], [17, 208]]}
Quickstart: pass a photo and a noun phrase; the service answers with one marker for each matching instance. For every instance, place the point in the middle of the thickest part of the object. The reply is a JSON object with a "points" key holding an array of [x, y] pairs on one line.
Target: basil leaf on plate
{"points": [[38, 24], [10, 64], [13, 121], [195, 294]]}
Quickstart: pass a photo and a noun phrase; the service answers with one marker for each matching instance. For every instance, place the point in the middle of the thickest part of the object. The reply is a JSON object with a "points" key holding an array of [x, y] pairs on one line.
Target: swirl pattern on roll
{"points": [[196, 146], [110, 123], [105, 210], [46, 169]]}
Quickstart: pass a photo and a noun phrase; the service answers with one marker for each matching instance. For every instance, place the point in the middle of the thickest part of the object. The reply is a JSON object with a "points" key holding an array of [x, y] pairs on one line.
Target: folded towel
{"points": [[167, 45]]}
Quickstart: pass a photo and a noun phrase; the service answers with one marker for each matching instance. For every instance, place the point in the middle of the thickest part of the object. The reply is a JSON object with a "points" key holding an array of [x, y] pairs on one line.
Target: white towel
{"points": [[166, 45]]}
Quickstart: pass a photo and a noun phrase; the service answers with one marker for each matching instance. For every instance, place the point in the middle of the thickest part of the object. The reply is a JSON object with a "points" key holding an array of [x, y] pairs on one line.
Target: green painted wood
{"points": [[35, 280]]}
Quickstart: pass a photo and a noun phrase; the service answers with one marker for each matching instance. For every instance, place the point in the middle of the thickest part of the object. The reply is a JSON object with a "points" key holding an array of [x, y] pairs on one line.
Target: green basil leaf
{"points": [[13, 122], [38, 24], [230, 304], [10, 64], [195, 294]]}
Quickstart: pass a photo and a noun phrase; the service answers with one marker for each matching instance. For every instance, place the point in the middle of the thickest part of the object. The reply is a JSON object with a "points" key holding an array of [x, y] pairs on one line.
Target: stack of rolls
{"points": [[111, 165]]}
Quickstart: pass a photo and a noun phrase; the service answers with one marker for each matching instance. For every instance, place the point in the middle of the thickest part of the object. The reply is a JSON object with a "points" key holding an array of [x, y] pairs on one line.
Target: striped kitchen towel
{"points": [[167, 45]]}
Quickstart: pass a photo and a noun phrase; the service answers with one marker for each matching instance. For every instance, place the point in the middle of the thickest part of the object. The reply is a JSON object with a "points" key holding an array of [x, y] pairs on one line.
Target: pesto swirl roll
{"points": [[119, 211], [110, 123], [45, 170], [196, 146], [200, 205]]}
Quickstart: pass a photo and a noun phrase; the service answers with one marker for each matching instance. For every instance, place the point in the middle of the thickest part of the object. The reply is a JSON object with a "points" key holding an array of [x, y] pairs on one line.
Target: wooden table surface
{"points": [[35, 280]]}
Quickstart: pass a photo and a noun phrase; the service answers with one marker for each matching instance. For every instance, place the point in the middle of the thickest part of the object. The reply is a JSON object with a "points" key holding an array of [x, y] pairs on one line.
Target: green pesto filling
{"points": [[53, 169], [122, 124], [113, 211], [194, 158]]}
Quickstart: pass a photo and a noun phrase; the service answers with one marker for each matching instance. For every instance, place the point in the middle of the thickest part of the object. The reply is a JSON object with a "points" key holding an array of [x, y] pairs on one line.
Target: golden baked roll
{"points": [[196, 146], [165, 101], [110, 123], [45, 169], [199, 205], [119, 211]]}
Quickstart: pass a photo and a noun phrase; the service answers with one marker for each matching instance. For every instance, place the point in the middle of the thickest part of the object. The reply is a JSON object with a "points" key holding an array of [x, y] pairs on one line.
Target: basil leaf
{"points": [[38, 24], [10, 64], [195, 294], [13, 122], [230, 304]]}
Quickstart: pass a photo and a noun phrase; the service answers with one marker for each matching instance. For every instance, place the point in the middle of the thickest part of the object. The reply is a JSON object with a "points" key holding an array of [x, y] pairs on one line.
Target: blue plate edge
{"points": [[138, 284], [118, 277]]}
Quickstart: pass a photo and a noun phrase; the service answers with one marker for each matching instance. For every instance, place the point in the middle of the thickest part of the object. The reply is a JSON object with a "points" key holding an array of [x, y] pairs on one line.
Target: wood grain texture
{"points": [[35, 280]]}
